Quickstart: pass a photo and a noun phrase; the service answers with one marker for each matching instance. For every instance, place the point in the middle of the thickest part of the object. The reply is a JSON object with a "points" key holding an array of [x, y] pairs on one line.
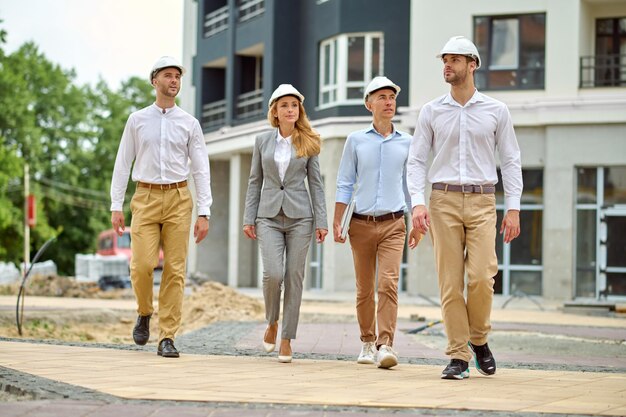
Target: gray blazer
{"points": [[267, 194]]}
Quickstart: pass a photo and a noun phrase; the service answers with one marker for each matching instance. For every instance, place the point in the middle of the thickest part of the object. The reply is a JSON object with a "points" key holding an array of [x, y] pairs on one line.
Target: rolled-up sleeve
{"points": [[346, 176]]}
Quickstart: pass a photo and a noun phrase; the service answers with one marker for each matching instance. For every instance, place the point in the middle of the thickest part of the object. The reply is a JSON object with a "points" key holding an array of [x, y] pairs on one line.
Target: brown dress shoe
{"points": [[141, 332]]}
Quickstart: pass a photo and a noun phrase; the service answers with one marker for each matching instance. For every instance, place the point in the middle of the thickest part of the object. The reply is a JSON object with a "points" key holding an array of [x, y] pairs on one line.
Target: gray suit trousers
{"points": [[284, 244]]}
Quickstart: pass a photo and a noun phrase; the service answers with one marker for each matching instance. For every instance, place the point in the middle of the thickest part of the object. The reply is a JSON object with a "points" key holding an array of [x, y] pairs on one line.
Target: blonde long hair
{"points": [[306, 141]]}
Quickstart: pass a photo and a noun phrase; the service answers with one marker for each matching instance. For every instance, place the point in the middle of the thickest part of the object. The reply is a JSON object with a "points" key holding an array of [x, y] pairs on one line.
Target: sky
{"points": [[108, 39]]}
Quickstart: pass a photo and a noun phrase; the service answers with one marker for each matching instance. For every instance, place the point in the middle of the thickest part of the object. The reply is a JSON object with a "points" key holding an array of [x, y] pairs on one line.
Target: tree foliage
{"points": [[68, 135]]}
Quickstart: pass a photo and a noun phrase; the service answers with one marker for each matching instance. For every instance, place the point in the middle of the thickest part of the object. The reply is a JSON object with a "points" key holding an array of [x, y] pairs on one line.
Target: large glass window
{"points": [[512, 49], [600, 232], [520, 263], [348, 62]]}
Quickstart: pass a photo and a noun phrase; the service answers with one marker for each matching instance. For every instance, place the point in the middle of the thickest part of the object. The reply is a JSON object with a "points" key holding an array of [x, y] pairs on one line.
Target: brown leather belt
{"points": [[381, 218], [162, 186], [479, 189]]}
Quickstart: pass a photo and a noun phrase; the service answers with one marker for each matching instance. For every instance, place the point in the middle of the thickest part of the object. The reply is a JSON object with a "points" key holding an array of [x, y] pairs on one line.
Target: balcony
{"points": [[249, 9], [249, 105], [603, 71], [213, 115], [216, 21]]}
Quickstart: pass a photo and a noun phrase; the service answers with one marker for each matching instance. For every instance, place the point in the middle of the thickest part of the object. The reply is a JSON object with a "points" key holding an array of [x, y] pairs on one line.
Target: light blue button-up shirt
{"points": [[373, 167]]}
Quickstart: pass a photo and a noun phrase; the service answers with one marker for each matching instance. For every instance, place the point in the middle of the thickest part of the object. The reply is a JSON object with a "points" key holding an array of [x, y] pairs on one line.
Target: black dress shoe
{"points": [[166, 349], [141, 332]]}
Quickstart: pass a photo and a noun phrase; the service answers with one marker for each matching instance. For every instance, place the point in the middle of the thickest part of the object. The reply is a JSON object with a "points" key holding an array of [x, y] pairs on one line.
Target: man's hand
{"points": [[339, 209], [421, 219], [250, 231], [510, 225], [414, 238], [201, 229], [117, 221], [320, 235]]}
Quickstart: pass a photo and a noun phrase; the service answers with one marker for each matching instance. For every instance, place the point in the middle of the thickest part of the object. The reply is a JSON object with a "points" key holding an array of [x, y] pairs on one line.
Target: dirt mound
{"points": [[60, 286], [207, 304], [213, 302]]}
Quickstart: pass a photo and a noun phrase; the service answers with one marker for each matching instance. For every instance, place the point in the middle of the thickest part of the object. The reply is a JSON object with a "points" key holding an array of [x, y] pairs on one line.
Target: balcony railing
{"points": [[603, 71], [249, 104], [216, 21], [249, 9], [213, 115]]}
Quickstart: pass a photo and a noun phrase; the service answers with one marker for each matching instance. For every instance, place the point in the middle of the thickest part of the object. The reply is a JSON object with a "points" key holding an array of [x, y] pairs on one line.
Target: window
{"points": [[600, 232], [520, 264], [610, 68], [512, 49], [347, 64]]}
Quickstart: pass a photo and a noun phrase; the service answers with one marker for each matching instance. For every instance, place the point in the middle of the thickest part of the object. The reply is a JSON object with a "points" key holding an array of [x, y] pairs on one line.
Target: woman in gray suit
{"points": [[280, 211]]}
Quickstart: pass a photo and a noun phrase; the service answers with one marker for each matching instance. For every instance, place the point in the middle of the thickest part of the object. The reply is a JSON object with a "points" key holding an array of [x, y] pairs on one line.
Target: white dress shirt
{"points": [[161, 144], [464, 141], [282, 154]]}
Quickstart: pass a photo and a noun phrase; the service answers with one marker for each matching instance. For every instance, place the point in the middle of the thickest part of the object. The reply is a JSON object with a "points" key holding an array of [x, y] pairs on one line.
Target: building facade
{"points": [[560, 65]]}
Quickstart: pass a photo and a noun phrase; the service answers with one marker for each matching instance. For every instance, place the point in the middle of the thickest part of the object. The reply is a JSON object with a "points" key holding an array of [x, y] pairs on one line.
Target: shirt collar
{"points": [[164, 111], [371, 129], [279, 137], [477, 97]]}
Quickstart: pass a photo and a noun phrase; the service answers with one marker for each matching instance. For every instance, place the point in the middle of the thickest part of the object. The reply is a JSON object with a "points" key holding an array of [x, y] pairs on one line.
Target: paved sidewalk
{"points": [[262, 380]]}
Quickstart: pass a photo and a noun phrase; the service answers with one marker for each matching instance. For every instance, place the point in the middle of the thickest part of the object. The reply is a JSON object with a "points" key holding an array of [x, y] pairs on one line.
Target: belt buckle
{"points": [[467, 190]]}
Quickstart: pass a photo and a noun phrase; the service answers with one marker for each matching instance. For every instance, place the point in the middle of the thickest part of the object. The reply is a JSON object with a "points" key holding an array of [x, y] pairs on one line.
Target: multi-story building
{"points": [[560, 65], [239, 51]]}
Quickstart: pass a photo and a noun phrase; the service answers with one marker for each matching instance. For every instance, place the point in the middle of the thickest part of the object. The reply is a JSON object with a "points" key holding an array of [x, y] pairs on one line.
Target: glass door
{"points": [[612, 259]]}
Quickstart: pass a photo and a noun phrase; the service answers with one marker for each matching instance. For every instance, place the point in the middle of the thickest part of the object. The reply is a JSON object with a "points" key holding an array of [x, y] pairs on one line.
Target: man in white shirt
{"points": [[463, 130], [161, 139]]}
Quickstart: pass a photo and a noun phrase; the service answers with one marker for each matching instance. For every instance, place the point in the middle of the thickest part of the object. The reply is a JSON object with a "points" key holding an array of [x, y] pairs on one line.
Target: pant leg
{"points": [[145, 232], [363, 243], [298, 238], [177, 209], [390, 247], [448, 236], [272, 243], [481, 264]]}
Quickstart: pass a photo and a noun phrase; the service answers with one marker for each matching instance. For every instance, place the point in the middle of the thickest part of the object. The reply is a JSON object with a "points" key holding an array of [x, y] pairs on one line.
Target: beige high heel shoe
{"points": [[285, 358], [269, 347]]}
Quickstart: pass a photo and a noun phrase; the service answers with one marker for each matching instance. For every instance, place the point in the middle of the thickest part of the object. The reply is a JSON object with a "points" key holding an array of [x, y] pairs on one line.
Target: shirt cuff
{"points": [[204, 211], [343, 198], [512, 203], [418, 200], [116, 206]]}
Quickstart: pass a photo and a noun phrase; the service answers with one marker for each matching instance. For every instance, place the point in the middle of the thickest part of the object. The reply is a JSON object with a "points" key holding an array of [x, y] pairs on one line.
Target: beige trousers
{"points": [[160, 216], [463, 231], [373, 242]]}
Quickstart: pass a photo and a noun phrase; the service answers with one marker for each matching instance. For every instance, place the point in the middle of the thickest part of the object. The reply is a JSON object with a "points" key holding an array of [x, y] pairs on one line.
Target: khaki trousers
{"points": [[373, 242], [160, 216], [463, 231]]}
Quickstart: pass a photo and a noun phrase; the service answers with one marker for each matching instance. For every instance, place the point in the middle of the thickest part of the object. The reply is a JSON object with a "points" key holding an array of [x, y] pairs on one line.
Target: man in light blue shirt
{"points": [[372, 172]]}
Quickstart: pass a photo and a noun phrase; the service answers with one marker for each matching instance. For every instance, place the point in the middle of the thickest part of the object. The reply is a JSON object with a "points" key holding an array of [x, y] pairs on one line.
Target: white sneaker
{"points": [[368, 353], [386, 358]]}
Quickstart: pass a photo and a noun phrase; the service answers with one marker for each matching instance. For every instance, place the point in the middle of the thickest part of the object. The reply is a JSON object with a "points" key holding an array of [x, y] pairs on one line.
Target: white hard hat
{"points": [[285, 90], [460, 45], [166, 62], [378, 83]]}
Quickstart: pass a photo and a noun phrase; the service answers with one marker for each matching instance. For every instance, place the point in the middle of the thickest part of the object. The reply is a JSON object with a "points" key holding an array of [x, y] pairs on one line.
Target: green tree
{"points": [[68, 135]]}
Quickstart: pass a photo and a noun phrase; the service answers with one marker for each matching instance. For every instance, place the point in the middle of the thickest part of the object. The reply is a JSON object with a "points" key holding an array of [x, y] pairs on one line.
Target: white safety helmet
{"points": [[460, 45], [285, 90], [379, 83], [166, 62]]}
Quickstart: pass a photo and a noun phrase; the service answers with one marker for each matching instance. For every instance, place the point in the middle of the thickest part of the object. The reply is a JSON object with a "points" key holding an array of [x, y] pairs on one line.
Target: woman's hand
{"points": [[320, 235], [250, 231]]}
